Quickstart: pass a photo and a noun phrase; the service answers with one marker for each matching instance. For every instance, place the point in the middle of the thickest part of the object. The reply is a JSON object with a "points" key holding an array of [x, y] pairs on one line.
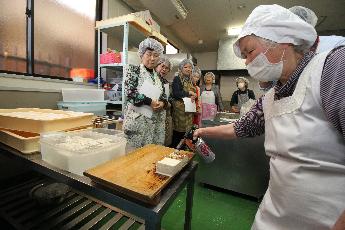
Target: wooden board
{"points": [[138, 22], [134, 174]]}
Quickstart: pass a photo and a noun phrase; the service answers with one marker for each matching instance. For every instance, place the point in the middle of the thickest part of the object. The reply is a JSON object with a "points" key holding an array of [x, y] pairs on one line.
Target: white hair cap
{"points": [[304, 13], [197, 71], [185, 62], [166, 61], [278, 24], [150, 43], [209, 74]]}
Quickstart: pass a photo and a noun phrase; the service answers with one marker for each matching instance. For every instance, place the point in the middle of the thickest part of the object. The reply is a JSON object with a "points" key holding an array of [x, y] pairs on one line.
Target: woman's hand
{"points": [[197, 133], [159, 105], [235, 109], [221, 132], [193, 98], [154, 104], [191, 93]]}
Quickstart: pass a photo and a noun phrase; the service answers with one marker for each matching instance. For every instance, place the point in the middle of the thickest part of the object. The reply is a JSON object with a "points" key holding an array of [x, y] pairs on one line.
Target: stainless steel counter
{"points": [[152, 215], [241, 165]]}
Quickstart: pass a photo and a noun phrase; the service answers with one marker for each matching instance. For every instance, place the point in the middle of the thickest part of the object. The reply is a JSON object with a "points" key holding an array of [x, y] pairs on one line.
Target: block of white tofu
{"points": [[169, 166]]}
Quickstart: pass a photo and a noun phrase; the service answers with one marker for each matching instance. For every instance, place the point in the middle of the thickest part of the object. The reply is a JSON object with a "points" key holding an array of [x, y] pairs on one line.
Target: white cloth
{"points": [[327, 43], [307, 164], [208, 97], [208, 105], [277, 24]]}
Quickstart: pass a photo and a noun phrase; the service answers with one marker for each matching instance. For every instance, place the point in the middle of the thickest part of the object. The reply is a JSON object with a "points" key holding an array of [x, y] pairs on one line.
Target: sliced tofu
{"points": [[169, 166]]}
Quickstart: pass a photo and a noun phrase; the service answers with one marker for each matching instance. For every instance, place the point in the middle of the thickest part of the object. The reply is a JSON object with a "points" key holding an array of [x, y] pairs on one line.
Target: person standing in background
{"points": [[141, 129], [241, 95], [163, 68], [196, 74], [182, 87], [211, 99]]}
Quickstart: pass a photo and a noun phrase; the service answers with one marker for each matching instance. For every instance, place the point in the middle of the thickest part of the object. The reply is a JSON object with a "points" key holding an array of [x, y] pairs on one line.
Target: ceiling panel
{"points": [[207, 20]]}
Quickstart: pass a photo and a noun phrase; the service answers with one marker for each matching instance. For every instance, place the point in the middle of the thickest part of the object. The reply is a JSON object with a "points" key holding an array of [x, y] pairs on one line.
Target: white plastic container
{"points": [[97, 108], [81, 150], [78, 95]]}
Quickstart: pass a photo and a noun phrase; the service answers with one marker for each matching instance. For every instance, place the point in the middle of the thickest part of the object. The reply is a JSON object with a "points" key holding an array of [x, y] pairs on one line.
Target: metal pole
{"points": [[189, 202], [30, 57], [98, 41]]}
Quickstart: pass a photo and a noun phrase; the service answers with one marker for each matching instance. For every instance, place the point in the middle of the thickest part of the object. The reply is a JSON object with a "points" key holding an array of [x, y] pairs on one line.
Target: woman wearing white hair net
{"points": [[302, 118], [163, 68], [242, 95], [142, 127], [211, 98], [182, 87]]}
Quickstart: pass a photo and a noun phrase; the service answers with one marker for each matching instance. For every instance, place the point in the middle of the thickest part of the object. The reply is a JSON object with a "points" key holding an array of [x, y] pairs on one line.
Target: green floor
{"points": [[212, 209]]}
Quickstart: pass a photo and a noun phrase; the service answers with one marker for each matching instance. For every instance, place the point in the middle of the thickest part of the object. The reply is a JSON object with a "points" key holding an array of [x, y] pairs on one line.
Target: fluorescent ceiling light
{"points": [[234, 31], [181, 9]]}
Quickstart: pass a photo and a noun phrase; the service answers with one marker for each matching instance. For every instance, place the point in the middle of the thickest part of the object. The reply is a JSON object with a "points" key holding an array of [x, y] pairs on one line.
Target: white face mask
{"points": [[263, 70]]}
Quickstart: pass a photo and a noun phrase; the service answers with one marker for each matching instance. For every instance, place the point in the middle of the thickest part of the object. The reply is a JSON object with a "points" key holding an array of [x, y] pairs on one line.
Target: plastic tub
{"points": [[84, 95], [97, 108], [80, 150]]}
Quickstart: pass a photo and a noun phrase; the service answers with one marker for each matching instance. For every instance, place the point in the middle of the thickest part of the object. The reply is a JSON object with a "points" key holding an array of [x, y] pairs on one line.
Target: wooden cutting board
{"points": [[134, 174]]}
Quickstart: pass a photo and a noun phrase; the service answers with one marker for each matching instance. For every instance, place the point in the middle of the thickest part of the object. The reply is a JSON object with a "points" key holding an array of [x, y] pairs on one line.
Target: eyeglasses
{"points": [[151, 55]]}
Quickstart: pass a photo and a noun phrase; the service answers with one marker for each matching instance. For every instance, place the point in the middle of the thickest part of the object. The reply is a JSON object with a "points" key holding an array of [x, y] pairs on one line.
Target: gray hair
{"points": [[150, 43], [210, 73], [197, 71], [305, 14], [185, 62], [165, 61], [245, 80]]}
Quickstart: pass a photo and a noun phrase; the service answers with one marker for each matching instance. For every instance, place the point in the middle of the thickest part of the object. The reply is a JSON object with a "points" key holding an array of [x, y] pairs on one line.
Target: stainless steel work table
{"points": [[151, 214]]}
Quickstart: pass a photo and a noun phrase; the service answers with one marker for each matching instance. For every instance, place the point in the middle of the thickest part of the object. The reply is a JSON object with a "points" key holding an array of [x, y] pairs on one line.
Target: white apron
{"points": [[141, 130], [307, 166], [208, 105]]}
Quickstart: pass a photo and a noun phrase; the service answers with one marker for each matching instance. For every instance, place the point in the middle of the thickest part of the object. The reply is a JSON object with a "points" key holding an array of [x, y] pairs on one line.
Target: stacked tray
{"points": [[20, 128]]}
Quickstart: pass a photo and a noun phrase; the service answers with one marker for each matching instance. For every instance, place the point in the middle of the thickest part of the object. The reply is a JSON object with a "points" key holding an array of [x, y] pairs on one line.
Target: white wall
{"points": [[206, 60], [25, 91], [227, 60]]}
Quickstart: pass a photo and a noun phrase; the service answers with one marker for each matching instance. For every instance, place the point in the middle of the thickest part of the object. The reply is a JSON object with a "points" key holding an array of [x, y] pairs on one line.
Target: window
{"points": [[170, 49], [13, 36], [64, 36]]}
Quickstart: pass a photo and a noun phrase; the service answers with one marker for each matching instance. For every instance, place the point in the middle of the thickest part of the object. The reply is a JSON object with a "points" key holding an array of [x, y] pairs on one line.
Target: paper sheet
{"points": [[189, 106], [167, 90], [151, 91]]}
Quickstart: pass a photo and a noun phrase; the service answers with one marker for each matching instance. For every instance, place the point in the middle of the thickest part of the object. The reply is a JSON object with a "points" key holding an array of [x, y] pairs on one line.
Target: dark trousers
{"points": [[177, 137]]}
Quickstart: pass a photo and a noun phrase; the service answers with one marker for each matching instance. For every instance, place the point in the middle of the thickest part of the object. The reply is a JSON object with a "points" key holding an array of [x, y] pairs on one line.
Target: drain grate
{"points": [[77, 211]]}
